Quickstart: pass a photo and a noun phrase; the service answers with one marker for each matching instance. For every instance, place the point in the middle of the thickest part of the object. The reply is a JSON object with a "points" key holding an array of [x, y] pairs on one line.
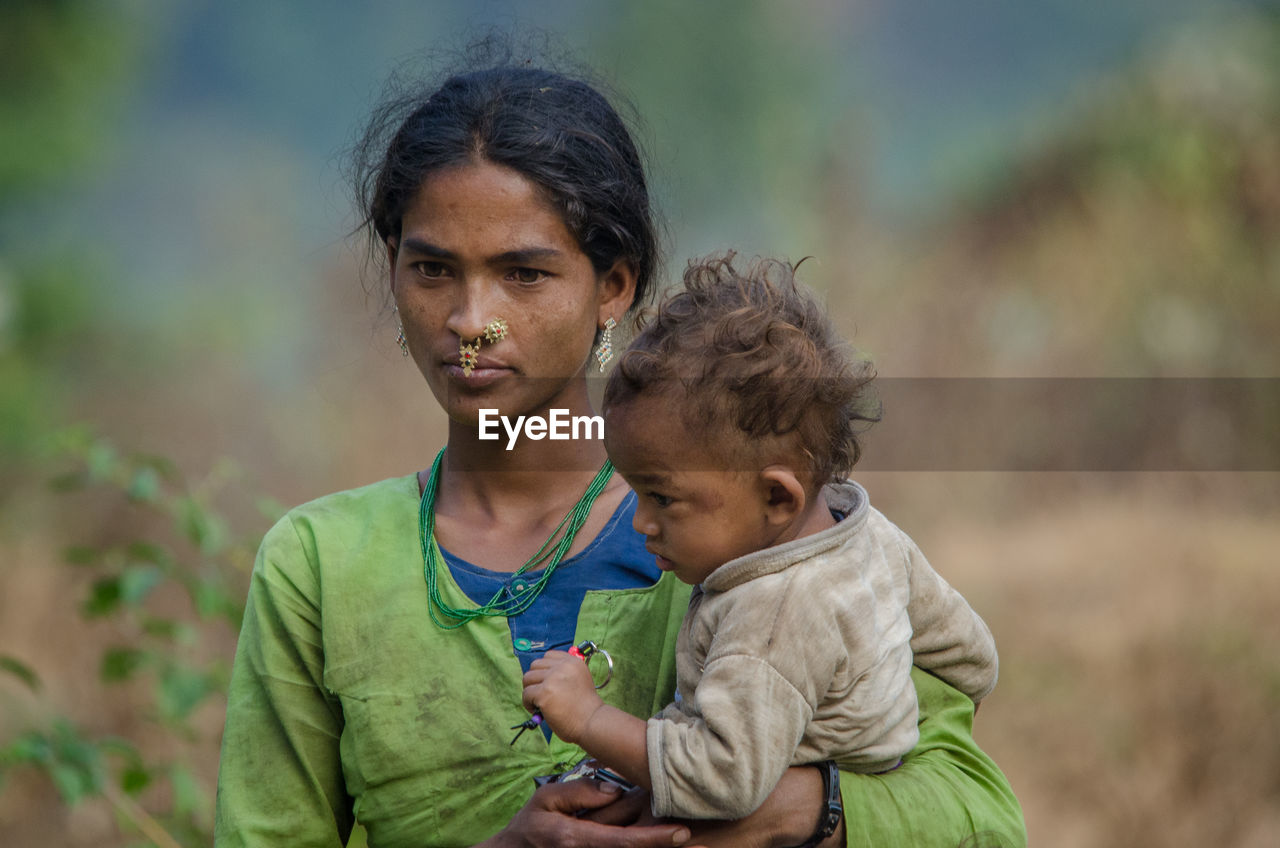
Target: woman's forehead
{"points": [[480, 204]]}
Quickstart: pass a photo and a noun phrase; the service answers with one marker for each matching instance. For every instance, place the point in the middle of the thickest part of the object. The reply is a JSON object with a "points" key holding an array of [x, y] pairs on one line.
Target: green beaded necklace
{"points": [[516, 602]]}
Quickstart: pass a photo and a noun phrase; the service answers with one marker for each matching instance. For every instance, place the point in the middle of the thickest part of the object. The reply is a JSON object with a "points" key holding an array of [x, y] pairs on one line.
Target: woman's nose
{"points": [[471, 314]]}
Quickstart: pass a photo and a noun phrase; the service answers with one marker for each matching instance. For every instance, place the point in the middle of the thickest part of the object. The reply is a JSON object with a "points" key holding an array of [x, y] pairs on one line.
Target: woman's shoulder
{"points": [[348, 520], [360, 504]]}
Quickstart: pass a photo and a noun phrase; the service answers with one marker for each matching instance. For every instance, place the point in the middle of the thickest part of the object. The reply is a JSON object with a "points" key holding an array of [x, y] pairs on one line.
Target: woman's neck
{"points": [[517, 469], [498, 507]]}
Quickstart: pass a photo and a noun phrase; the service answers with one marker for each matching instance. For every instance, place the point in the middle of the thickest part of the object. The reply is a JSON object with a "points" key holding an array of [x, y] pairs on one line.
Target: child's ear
{"points": [[784, 495]]}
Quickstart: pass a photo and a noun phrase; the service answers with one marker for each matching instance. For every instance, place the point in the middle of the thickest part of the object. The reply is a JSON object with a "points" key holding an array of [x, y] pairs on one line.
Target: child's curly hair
{"points": [[754, 350]]}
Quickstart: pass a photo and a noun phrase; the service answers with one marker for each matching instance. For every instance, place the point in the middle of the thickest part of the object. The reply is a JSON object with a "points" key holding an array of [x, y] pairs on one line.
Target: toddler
{"points": [[734, 417]]}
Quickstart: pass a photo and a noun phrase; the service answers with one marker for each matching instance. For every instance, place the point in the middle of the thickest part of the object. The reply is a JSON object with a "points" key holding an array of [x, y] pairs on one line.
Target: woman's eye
{"points": [[527, 275], [431, 269]]}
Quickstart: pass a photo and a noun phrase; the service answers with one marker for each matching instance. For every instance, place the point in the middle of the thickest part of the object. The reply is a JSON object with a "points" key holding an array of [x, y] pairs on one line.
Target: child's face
{"points": [[695, 515]]}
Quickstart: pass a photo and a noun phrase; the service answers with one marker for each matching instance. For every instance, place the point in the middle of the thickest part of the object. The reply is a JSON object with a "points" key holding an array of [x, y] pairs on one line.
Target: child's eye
{"points": [[660, 500], [527, 275], [431, 270]]}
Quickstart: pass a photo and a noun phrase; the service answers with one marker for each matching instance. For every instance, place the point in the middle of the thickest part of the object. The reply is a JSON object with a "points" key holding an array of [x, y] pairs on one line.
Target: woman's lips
{"points": [[485, 371]]}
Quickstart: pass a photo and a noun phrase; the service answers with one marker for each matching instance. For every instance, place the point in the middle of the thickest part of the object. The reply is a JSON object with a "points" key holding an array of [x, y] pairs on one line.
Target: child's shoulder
{"points": [[852, 506]]}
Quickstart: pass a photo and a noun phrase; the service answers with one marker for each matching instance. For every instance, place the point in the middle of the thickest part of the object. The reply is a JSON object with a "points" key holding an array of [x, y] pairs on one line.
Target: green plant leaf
{"points": [[101, 461], [30, 748], [134, 779], [20, 670], [163, 466], [120, 663], [136, 582], [212, 600], [181, 690], [144, 486], [161, 628], [270, 508], [76, 766], [104, 598], [205, 530], [149, 552], [188, 797], [72, 782]]}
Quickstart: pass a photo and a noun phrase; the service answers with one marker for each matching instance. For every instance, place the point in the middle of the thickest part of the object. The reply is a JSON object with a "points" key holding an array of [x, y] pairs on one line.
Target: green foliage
{"points": [[163, 576], [56, 60], [21, 671]]}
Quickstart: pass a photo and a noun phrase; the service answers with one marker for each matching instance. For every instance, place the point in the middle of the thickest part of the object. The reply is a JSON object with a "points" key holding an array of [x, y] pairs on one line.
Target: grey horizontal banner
{"points": [[1081, 424], [1014, 424]]}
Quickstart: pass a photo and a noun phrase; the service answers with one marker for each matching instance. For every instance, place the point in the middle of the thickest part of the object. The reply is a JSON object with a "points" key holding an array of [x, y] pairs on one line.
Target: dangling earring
{"points": [[400, 339], [605, 351]]}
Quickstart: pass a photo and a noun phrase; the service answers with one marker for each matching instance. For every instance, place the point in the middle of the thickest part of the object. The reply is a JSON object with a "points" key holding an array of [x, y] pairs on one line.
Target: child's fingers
{"points": [[549, 659], [529, 698]]}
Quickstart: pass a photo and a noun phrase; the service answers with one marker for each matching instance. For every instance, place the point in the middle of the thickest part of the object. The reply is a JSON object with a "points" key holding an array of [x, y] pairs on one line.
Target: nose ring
{"points": [[495, 331]]}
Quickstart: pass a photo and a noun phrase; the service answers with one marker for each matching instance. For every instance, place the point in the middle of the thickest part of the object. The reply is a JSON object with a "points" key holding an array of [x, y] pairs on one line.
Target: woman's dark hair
{"points": [[558, 132], [751, 350]]}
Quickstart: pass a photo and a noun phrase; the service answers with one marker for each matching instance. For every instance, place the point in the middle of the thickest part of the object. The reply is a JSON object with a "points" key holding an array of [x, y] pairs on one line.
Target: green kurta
{"points": [[347, 701]]}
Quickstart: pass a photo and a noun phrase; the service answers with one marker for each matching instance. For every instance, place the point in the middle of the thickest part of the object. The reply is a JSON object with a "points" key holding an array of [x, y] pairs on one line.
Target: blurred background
{"points": [[189, 338]]}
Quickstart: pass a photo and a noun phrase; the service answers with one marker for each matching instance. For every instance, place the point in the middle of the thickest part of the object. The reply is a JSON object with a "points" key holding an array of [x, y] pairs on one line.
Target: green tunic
{"points": [[347, 702]]}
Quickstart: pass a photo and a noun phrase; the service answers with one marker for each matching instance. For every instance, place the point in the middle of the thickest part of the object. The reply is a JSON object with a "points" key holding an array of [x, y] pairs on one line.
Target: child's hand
{"points": [[560, 686]]}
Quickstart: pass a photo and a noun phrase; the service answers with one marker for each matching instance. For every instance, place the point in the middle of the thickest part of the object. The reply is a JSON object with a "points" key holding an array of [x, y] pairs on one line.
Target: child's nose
{"points": [[642, 522]]}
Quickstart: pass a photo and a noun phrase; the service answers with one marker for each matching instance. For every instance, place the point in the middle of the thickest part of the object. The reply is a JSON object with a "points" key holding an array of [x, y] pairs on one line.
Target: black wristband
{"points": [[832, 806]]}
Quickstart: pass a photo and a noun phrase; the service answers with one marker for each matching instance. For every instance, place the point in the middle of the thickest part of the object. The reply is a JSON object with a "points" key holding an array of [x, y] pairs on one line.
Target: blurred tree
{"points": [[1139, 235], [64, 67]]}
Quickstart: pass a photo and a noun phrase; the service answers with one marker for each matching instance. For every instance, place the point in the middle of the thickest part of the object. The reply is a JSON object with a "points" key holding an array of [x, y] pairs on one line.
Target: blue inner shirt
{"points": [[615, 559]]}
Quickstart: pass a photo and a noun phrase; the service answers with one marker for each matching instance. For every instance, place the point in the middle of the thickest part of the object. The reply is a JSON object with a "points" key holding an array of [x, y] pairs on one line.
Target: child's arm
{"points": [[949, 638], [560, 686]]}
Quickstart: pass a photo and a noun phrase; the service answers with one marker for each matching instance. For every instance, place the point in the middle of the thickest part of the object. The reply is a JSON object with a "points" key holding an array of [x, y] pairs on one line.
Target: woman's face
{"points": [[480, 241]]}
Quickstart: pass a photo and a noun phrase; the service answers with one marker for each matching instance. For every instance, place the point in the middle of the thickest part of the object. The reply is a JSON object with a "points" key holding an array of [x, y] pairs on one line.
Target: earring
{"points": [[605, 351], [495, 330], [400, 339]]}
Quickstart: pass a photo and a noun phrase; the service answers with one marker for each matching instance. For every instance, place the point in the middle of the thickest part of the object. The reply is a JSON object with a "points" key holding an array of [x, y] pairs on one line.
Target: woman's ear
{"points": [[784, 495], [391, 264], [617, 288]]}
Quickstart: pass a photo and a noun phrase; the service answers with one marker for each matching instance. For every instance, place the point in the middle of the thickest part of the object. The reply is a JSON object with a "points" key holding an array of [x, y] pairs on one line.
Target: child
{"points": [[733, 418]]}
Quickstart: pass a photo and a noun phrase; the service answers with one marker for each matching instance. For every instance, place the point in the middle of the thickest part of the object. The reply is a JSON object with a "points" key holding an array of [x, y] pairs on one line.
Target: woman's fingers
{"points": [[631, 808], [568, 831]]}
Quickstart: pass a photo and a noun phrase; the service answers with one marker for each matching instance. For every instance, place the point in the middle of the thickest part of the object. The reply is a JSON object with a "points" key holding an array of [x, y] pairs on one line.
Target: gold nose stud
{"points": [[495, 330]]}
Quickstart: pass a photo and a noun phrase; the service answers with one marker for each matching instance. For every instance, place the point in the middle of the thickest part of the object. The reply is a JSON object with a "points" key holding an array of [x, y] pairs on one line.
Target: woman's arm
{"points": [[788, 817], [280, 777], [946, 789]]}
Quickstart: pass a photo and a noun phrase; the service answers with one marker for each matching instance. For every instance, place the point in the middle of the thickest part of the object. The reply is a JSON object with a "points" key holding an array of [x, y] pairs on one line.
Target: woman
{"points": [[387, 627]]}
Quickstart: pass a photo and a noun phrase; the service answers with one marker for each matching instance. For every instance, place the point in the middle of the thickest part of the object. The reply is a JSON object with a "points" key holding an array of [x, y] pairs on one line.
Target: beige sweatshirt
{"points": [[801, 653]]}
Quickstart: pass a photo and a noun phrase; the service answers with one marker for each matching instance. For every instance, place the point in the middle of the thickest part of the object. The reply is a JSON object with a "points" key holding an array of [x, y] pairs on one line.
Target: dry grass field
{"points": [[1138, 618]]}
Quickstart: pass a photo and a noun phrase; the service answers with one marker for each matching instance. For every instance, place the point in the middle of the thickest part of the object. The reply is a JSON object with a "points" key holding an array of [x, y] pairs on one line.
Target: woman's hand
{"points": [[788, 817], [549, 820]]}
